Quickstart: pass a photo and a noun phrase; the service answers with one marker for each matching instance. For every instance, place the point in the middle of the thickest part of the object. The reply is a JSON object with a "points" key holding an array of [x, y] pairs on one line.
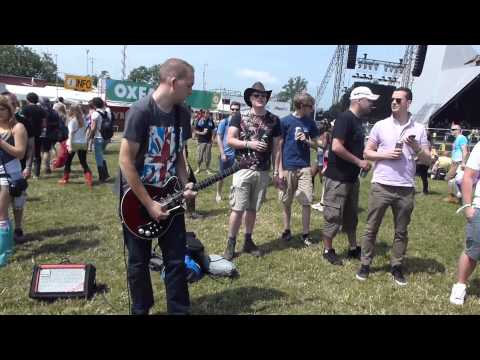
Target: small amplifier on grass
{"points": [[51, 281]]}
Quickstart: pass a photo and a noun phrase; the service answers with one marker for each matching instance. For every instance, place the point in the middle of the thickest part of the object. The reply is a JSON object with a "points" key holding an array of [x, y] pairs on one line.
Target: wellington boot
{"points": [[105, 167], [65, 179], [88, 179], [6, 245]]}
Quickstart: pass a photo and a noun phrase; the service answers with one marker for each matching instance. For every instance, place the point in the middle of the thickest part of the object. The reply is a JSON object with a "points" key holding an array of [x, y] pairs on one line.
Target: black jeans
{"points": [[173, 246], [41, 145], [422, 171], [82, 156]]}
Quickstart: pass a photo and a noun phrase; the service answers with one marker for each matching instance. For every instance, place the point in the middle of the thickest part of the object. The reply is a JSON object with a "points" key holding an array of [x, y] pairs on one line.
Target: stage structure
{"points": [[337, 64], [366, 70]]}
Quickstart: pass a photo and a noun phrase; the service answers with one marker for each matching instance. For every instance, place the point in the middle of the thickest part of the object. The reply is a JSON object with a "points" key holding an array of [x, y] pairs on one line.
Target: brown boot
{"points": [[250, 247], [451, 199], [230, 250]]}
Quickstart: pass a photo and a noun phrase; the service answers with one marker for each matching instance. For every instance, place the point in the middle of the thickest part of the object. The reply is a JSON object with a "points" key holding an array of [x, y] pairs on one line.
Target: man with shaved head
{"points": [[151, 152]]}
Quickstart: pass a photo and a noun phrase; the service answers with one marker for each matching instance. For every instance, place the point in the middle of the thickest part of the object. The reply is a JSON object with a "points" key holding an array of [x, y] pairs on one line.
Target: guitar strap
{"points": [[176, 127]]}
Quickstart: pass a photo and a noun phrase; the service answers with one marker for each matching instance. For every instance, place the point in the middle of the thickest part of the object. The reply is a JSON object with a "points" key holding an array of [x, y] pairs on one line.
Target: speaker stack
{"points": [[419, 60], [352, 56]]}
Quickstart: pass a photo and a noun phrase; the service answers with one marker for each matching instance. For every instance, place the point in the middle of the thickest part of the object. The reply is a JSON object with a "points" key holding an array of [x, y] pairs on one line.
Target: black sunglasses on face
{"points": [[235, 109], [454, 129], [397, 100], [257, 95]]}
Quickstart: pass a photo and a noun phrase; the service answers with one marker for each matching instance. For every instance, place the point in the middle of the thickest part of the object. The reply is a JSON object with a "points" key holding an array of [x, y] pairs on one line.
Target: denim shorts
{"points": [[472, 243], [223, 165]]}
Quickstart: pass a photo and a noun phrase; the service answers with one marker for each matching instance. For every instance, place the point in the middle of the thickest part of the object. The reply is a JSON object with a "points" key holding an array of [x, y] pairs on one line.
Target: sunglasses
{"points": [[257, 95], [397, 100], [307, 105], [235, 109], [452, 129]]}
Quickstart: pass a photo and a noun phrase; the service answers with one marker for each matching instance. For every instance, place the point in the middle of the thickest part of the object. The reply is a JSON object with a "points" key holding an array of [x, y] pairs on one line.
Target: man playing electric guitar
{"points": [[156, 129]]}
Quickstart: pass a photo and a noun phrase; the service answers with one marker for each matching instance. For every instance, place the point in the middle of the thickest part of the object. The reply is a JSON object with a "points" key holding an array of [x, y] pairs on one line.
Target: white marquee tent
{"points": [[448, 69], [53, 92], [278, 108]]}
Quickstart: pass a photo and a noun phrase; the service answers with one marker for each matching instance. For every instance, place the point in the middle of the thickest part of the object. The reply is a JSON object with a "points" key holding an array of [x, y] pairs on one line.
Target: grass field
{"points": [[81, 225]]}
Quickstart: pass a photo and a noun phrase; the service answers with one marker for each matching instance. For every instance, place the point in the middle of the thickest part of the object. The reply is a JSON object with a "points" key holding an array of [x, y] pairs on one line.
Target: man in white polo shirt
{"points": [[393, 144], [468, 259]]}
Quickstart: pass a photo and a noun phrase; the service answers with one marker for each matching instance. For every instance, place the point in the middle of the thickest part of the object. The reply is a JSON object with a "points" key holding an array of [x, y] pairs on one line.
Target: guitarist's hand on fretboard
{"points": [[156, 211], [188, 194]]}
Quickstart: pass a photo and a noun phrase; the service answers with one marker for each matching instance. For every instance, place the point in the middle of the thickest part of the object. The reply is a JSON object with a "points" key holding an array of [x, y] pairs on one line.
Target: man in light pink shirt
{"points": [[393, 144]]}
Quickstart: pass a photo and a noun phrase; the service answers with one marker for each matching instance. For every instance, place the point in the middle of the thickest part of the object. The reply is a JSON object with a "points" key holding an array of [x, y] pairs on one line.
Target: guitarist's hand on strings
{"points": [[188, 193], [156, 211]]}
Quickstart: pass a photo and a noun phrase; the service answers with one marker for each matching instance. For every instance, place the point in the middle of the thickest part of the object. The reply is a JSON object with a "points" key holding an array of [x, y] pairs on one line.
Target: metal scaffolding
{"points": [[408, 60], [337, 63]]}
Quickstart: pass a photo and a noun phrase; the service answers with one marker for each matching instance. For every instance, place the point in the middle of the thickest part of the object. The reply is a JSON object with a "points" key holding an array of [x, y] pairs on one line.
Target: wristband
{"points": [[463, 207]]}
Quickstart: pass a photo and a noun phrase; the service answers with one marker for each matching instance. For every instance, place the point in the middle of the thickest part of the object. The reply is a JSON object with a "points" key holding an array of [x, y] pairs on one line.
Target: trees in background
{"points": [[20, 60], [290, 89]]}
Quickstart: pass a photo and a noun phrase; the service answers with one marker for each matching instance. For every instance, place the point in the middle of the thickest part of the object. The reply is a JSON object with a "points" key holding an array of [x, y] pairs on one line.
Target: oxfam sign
{"points": [[127, 91]]}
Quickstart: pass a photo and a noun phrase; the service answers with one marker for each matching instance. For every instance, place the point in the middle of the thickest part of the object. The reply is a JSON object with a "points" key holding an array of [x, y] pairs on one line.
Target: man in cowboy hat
{"points": [[254, 131]]}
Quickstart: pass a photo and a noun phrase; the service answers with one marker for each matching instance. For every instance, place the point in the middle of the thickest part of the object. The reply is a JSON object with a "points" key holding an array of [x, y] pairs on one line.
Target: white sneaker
{"points": [[458, 294], [317, 206], [218, 198]]}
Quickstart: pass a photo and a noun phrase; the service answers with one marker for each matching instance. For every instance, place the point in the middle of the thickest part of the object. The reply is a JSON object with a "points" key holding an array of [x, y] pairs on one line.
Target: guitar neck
{"points": [[212, 180]]}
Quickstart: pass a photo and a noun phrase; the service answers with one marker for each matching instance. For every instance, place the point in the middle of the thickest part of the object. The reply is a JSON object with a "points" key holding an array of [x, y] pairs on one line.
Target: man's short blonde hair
{"points": [[173, 67]]}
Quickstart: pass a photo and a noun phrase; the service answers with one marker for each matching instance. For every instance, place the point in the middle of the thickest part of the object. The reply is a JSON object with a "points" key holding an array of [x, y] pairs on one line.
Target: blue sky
{"points": [[233, 67]]}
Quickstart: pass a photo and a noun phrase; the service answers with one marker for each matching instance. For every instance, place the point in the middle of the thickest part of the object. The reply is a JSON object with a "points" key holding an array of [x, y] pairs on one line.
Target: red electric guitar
{"points": [[136, 218]]}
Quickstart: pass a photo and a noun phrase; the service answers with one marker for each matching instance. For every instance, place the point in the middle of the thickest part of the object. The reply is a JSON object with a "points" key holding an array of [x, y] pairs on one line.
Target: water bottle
{"points": [[264, 138]]}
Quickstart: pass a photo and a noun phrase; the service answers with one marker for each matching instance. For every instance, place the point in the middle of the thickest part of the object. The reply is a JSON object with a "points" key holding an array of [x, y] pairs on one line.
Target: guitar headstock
{"points": [[245, 161]]}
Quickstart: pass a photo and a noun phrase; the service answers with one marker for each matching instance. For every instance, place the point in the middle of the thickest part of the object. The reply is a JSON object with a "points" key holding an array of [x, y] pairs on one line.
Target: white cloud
{"points": [[262, 76]]}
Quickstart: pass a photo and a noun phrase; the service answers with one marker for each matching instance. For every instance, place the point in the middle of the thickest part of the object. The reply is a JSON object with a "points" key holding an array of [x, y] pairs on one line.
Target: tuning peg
{"points": [[148, 233], [141, 231]]}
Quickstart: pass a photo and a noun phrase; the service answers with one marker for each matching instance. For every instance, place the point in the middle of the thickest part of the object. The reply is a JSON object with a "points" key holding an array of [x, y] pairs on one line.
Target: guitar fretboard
{"points": [[205, 183], [212, 180]]}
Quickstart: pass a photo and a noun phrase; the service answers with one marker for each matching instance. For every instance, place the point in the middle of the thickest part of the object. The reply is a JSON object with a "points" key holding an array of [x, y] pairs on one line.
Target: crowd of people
{"points": [[395, 145], [154, 149], [40, 136]]}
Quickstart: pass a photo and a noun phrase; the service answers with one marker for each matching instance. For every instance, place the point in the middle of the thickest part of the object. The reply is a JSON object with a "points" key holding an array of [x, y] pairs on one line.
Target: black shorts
{"points": [[45, 144]]}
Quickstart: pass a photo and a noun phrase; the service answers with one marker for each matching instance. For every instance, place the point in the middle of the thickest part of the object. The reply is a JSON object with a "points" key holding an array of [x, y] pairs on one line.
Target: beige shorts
{"points": [[299, 185], [248, 189]]}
